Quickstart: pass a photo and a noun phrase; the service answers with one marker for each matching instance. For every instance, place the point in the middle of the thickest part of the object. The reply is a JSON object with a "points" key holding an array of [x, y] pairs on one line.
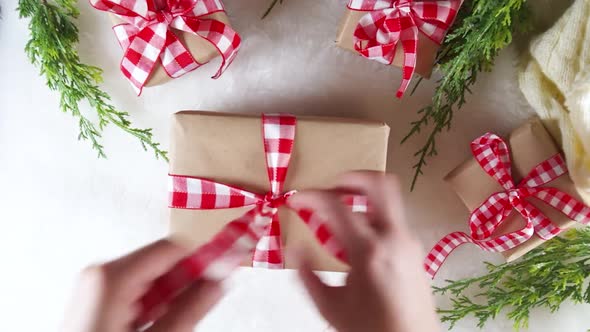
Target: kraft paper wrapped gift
{"points": [[426, 52], [228, 148], [201, 50], [530, 145]]}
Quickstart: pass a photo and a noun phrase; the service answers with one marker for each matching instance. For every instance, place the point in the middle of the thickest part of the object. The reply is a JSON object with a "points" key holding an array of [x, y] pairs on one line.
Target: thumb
{"points": [[321, 294], [189, 308]]}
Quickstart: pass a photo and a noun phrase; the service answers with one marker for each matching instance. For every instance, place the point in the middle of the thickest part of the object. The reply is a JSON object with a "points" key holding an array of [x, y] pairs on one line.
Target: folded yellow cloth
{"points": [[555, 79]]}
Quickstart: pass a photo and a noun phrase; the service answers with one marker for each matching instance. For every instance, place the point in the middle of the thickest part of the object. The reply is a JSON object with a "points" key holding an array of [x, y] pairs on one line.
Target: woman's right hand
{"points": [[387, 289]]}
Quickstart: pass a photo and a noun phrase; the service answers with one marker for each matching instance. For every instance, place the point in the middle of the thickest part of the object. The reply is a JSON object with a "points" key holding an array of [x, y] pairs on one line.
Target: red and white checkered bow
{"points": [[390, 21], [492, 153], [146, 36], [257, 231]]}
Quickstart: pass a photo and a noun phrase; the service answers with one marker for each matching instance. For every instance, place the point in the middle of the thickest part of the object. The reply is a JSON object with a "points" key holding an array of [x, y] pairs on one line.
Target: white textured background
{"points": [[62, 209]]}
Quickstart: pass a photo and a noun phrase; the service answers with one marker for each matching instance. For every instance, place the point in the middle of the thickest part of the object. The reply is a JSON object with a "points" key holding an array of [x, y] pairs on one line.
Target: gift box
{"points": [[426, 48], [530, 145], [229, 149], [372, 29], [165, 39], [200, 49]]}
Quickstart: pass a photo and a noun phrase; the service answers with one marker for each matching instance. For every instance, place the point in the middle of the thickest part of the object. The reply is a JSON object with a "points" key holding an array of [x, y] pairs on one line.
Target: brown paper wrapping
{"points": [[201, 50], [530, 145], [228, 148], [427, 49]]}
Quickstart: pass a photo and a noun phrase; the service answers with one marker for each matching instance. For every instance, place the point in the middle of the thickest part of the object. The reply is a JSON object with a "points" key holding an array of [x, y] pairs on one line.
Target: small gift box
{"points": [[403, 33], [162, 40], [237, 158], [519, 195]]}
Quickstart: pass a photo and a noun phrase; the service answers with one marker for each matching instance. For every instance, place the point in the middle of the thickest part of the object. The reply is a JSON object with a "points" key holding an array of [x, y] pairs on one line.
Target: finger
{"points": [[321, 294], [349, 229], [189, 308], [148, 263], [384, 195]]}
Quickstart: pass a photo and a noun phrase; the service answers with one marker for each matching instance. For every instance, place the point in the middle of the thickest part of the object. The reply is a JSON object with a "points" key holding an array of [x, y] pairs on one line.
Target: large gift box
{"points": [[530, 145], [229, 149]]}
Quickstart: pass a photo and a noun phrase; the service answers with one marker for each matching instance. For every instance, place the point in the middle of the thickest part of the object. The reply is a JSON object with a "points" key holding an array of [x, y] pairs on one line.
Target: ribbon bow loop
{"points": [[147, 39], [196, 193], [389, 22], [493, 155]]}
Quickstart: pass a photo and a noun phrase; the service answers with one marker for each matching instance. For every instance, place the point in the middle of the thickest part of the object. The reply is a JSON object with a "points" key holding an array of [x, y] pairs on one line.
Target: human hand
{"points": [[386, 289], [107, 296]]}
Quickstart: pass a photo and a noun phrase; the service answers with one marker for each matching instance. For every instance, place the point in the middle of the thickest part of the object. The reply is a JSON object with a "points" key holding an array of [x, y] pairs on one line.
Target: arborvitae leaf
{"points": [[481, 30], [53, 49], [547, 276]]}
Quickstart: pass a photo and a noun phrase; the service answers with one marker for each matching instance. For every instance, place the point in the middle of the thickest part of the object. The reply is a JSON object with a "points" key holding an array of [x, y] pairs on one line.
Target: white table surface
{"points": [[61, 208]]}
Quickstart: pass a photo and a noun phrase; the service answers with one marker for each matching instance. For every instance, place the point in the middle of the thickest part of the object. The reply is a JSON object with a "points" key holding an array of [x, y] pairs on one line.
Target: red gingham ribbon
{"points": [[146, 36], [390, 21], [257, 231], [492, 154]]}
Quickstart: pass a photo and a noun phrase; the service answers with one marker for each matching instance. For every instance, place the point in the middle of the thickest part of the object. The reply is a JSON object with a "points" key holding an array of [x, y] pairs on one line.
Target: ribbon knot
{"points": [[146, 43], [514, 197], [276, 201], [389, 22], [493, 155], [164, 16]]}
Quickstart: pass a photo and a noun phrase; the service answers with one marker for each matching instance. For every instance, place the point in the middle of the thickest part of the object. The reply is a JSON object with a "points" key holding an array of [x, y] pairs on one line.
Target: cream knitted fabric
{"points": [[555, 80]]}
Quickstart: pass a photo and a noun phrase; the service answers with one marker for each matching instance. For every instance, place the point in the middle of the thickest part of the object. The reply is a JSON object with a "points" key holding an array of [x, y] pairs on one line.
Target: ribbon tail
{"points": [[543, 226], [409, 40], [321, 232], [320, 229], [439, 253], [268, 253], [215, 260]]}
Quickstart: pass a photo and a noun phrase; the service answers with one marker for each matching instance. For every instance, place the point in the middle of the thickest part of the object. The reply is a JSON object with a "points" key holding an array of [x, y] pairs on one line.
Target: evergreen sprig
{"points": [[53, 49], [270, 7], [482, 29], [546, 277]]}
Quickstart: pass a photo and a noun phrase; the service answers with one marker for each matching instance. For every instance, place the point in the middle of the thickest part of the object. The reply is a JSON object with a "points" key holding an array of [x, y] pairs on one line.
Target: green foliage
{"points": [[269, 9], [52, 48], [546, 277], [482, 29]]}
